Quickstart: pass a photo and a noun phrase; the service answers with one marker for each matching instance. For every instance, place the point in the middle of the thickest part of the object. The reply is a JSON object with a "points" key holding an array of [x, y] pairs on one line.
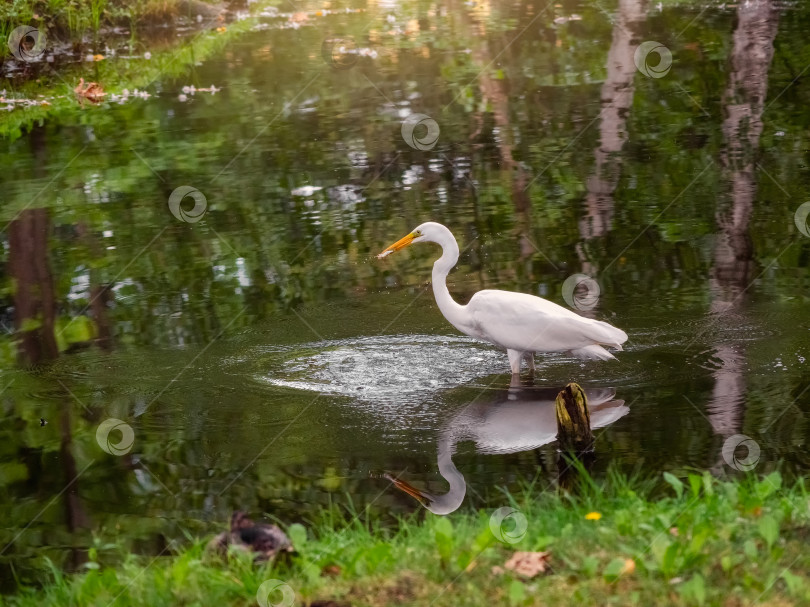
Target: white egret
{"points": [[515, 420], [522, 324]]}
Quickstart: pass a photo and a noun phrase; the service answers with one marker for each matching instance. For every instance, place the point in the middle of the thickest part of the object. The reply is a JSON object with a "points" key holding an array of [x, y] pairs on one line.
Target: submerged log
{"points": [[573, 421]]}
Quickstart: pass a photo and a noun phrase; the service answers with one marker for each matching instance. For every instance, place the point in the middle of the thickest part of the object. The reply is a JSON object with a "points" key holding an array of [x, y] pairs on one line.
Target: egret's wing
{"points": [[524, 322]]}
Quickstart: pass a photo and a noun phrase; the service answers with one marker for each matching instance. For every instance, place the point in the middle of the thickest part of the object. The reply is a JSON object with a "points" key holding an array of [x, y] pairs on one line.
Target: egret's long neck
{"points": [[450, 501], [452, 311]]}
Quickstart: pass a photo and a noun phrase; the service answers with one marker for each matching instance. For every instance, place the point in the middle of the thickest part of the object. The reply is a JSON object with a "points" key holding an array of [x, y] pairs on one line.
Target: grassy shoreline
{"points": [[52, 92], [71, 20], [705, 542]]}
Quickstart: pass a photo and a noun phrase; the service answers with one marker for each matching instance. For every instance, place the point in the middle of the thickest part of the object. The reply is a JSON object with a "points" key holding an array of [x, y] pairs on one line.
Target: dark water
{"points": [[265, 360]]}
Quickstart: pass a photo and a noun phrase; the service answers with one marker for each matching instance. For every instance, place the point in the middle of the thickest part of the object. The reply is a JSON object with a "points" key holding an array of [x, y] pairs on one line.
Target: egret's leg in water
{"points": [[514, 360], [530, 360]]}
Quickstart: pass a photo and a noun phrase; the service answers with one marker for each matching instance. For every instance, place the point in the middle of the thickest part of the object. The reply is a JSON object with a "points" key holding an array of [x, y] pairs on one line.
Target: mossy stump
{"points": [[573, 421], [574, 436]]}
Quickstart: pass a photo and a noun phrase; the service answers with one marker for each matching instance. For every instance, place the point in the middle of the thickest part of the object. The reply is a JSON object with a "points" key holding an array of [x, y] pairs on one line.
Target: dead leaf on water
{"points": [[92, 91], [529, 564]]}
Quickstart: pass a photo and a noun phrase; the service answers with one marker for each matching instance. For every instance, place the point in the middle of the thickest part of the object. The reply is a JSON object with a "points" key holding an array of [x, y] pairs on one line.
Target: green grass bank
{"points": [[702, 541], [75, 19]]}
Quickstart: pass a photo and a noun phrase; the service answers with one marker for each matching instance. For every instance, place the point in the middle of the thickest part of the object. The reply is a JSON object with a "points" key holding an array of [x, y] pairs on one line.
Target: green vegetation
{"points": [[704, 542], [166, 60], [74, 19]]}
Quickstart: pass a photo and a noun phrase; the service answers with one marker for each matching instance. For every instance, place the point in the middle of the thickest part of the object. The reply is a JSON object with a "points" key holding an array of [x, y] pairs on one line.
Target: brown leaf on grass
{"points": [[529, 564], [92, 91], [331, 571]]}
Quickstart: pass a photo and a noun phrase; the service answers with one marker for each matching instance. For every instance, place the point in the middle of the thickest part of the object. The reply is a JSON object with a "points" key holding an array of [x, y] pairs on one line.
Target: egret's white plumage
{"points": [[522, 324]]}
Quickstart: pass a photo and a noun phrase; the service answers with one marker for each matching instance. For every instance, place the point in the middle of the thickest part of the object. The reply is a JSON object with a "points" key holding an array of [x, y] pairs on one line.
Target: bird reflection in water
{"points": [[518, 419]]}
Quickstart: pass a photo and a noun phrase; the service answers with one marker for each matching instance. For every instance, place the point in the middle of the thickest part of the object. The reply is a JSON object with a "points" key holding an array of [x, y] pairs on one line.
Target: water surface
{"points": [[265, 360]]}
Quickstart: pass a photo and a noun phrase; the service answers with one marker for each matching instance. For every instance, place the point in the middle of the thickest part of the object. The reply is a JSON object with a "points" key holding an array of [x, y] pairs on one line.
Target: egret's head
{"points": [[427, 232]]}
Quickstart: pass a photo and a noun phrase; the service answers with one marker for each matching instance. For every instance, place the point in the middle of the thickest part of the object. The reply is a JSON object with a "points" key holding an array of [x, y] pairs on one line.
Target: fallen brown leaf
{"points": [[529, 564], [93, 91]]}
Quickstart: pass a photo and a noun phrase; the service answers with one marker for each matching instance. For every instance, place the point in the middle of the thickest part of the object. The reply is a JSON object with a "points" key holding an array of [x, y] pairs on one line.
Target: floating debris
{"points": [[569, 18], [191, 90], [125, 96], [14, 103], [307, 190], [297, 19]]}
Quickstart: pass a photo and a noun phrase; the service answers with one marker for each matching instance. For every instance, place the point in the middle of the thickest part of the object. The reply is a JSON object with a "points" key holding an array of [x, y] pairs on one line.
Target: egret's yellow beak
{"points": [[399, 244], [407, 488]]}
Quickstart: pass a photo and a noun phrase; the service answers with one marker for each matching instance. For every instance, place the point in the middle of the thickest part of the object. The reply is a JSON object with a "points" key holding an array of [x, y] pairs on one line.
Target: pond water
{"points": [[265, 360]]}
